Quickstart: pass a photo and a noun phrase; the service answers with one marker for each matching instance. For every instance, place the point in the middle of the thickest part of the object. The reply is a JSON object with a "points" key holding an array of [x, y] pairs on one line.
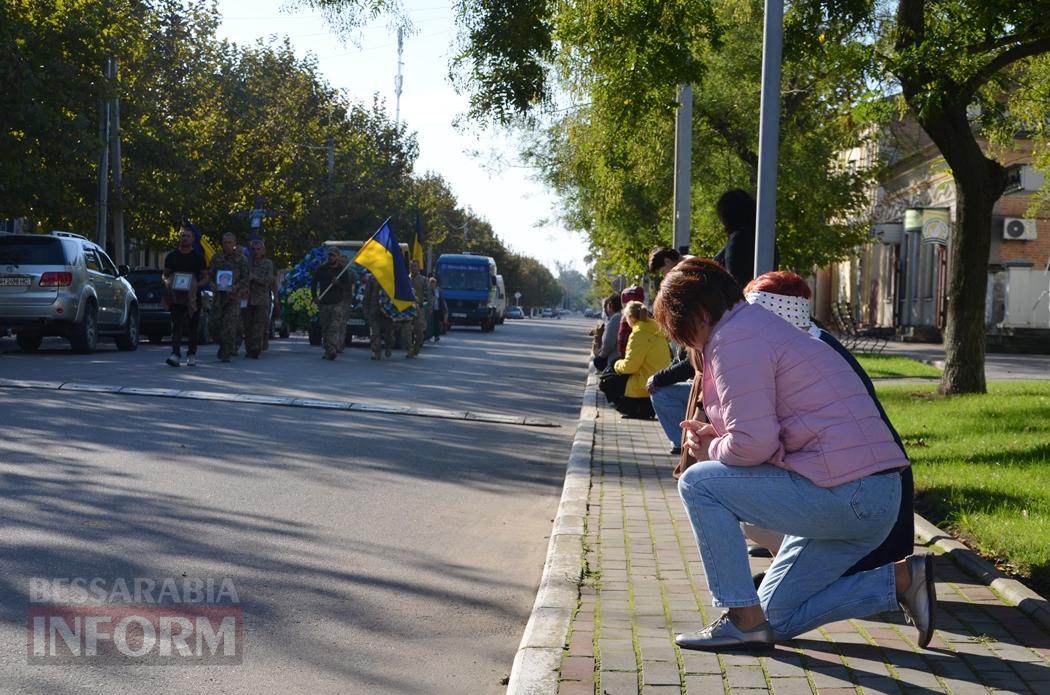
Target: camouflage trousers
{"points": [[256, 325], [225, 325], [419, 328], [333, 327], [380, 333], [405, 330]]}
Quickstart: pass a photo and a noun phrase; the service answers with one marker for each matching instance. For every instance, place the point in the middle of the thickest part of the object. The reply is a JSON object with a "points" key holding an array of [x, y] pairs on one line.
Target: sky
{"points": [[513, 203]]}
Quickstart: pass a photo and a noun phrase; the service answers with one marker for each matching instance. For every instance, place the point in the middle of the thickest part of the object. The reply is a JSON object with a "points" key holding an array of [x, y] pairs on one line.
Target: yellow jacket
{"points": [[647, 353]]}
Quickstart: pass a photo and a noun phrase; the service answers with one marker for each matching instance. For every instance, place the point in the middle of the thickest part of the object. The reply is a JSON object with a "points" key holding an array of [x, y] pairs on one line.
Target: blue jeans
{"points": [[827, 531], [669, 403]]}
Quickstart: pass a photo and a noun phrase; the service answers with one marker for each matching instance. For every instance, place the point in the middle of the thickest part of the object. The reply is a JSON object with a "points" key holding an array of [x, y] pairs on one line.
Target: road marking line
{"points": [[260, 399]]}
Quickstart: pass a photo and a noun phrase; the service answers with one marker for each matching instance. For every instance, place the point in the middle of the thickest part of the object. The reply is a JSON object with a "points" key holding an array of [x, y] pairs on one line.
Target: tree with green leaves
{"points": [[948, 60], [610, 153], [957, 63], [52, 58]]}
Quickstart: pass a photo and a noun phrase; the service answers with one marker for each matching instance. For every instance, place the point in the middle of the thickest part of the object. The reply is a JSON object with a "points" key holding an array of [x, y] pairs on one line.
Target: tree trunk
{"points": [[979, 182], [964, 332]]}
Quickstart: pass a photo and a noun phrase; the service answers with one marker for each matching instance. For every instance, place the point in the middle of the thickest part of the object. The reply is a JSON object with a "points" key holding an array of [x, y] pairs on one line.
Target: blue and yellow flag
{"points": [[382, 256], [207, 249], [200, 243], [416, 248]]}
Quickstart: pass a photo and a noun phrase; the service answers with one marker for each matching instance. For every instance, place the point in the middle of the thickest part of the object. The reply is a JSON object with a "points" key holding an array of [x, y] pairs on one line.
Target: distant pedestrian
{"points": [[424, 300], [330, 287], [184, 274], [260, 284], [607, 353], [439, 309], [736, 211], [229, 274]]}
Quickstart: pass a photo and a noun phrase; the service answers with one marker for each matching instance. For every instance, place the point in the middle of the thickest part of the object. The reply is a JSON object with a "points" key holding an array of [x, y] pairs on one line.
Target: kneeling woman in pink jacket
{"points": [[793, 443]]}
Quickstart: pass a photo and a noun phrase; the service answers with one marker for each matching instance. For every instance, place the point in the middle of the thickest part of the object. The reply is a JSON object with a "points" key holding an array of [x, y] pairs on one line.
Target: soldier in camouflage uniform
{"points": [[380, 326], [329, 288], [261, 275], [226, 304], [424, 298]]}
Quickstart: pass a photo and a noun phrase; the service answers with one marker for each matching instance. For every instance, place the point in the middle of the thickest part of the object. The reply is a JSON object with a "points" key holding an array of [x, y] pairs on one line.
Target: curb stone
{"points": [[1030, 603], [538, 659]]}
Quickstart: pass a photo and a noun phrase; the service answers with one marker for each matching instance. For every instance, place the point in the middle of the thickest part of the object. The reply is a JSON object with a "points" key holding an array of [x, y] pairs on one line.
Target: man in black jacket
{"points": [[669, 387]]}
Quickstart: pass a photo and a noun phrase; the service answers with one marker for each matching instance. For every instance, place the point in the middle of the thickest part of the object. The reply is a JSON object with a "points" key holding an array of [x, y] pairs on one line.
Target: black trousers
{"points": [[613, 386], [181, 321], [901, 541]]}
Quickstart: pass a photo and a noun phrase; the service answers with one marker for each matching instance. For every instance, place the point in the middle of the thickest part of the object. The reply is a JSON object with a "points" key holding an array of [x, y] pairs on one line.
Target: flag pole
{"points": [[352, 260]]}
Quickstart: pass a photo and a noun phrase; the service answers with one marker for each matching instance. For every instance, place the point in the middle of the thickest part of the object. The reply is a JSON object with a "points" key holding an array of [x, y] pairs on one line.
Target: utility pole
{"points": [[103, 162], [398, 81], [683, 167], [769, 137], [118, 191]]}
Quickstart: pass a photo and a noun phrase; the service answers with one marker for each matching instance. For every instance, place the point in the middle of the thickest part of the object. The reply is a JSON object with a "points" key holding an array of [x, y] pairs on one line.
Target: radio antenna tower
{"points": [[398, 81]]}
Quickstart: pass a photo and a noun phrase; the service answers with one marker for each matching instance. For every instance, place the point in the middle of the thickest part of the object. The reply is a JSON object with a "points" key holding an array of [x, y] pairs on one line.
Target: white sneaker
{"points": [[191, 361]]}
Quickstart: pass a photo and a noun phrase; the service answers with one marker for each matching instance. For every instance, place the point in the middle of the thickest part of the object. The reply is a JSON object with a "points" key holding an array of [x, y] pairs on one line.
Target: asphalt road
{"points": [[371, 553]]}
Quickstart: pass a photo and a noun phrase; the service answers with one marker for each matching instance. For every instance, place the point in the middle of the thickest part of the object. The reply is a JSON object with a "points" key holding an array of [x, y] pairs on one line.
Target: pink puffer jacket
{"points": [[778, 395]]}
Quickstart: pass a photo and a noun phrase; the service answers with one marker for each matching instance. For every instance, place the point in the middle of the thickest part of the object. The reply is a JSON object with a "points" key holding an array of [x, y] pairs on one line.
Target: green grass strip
{"points": [[888, 366], [982, 468]]}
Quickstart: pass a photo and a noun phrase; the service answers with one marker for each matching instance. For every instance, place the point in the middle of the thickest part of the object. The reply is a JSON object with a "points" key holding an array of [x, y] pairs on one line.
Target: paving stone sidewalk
{"points": [[643, 582]]}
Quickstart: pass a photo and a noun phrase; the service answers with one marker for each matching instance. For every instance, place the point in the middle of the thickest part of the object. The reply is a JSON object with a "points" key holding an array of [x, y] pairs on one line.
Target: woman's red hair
{"points": [[780, 282]]}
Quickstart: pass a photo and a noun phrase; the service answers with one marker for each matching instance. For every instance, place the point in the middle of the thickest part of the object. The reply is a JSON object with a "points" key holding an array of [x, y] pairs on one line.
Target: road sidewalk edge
{"points": [[538, 659], [1029, 602]]}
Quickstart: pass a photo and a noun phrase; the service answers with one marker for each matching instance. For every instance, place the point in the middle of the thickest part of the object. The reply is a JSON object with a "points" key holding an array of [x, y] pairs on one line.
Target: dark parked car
{"points": [[154, 319]]}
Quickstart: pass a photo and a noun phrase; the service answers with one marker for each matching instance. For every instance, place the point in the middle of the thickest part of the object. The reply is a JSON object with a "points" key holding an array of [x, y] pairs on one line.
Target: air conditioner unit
{"points": [[1017, 228], [1023, 178]]}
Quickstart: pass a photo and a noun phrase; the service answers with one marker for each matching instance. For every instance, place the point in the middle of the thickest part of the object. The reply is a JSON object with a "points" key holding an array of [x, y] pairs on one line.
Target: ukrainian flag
{"points": [[207, 248], [382, 256], [200, 242], [416, 248]]}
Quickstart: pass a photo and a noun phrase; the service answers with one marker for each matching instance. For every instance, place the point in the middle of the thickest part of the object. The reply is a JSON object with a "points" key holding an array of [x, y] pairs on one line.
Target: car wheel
{"points": [[284, 332], [29, 342], [129, 339], [84, 336], [315, 334]]}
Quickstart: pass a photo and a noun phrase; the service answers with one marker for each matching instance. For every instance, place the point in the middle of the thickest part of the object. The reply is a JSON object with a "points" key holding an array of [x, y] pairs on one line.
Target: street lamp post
{"points": [[769, 137]]}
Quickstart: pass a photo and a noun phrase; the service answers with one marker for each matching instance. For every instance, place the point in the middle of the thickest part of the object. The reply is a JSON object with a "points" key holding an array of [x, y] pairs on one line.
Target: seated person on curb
{"points": [[669, 392], [646, 353], [634, 293], [669, 388], [607, 350], [793, 443], [787, 295]]}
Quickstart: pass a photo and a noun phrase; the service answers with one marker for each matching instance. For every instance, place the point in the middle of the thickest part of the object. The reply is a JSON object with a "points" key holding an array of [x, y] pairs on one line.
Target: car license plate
{"points": [[15, 280], [152, 307], [357, 322], [458, 315]]}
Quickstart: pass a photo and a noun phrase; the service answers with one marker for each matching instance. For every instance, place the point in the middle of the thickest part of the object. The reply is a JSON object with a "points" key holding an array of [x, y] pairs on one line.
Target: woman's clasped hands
{"points": [[698, 438]]}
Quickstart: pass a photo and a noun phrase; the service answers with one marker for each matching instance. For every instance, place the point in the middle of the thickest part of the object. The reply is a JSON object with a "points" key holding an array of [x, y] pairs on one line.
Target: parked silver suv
{"points": [[63, 284]]}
